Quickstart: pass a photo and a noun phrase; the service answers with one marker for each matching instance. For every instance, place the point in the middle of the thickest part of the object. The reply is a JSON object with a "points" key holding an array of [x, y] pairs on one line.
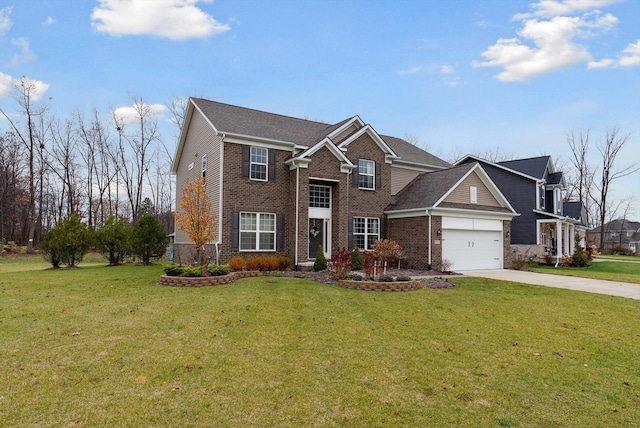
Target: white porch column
{"points": [[559, 244]]}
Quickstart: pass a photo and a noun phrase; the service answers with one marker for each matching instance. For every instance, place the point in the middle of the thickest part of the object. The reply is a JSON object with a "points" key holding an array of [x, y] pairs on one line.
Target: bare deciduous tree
{"points": [[610, 148]]}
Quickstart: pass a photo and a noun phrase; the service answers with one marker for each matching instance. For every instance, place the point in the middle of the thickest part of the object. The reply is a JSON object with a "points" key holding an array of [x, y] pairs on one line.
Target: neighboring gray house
{"points": [[535, 190], [619, 232], [283, 185]]}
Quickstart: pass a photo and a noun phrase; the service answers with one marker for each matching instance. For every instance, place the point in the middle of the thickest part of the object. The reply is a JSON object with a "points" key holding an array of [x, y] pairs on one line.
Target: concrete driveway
{"points": [[612, 288]]}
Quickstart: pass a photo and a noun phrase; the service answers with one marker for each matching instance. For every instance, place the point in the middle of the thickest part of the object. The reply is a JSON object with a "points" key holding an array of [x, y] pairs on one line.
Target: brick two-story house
{"points": [[283, 185]]}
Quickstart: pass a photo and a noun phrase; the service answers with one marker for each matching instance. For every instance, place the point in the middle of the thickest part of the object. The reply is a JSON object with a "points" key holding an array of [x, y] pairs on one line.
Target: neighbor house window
{"points": [[543, 236], [319, 196], [541, 190], [366, 174], [366, 231], [259, 163], [257, 232]]}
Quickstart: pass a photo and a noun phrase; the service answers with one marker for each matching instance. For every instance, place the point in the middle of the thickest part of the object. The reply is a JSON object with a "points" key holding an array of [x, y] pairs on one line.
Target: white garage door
{"points": [[471, 249]]}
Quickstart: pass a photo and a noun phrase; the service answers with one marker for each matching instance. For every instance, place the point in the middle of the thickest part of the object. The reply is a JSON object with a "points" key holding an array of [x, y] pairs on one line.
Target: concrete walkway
{"points": [[612, 288]]}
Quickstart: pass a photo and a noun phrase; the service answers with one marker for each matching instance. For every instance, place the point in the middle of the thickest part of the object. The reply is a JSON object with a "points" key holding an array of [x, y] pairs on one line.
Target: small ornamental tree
{"points": [[114, 238], [196, 218], [148, 238], [67, 242]]}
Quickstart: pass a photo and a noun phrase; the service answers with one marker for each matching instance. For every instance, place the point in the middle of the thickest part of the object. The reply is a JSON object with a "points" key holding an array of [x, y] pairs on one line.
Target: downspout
{"points": [[220, 191], [429, 251], [295, 263]]}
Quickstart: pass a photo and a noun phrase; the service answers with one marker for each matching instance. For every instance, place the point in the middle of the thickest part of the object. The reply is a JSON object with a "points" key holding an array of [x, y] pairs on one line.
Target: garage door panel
{"points": [[472, 249]]}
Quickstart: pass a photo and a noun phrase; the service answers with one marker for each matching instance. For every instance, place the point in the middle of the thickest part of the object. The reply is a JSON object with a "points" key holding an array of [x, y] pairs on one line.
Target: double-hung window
{"points": [[541, 196], [259, 163], [366, 231], [257, 231], [366, 174]]}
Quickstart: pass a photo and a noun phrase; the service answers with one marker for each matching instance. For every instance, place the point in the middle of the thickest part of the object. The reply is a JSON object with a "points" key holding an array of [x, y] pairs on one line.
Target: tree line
{"points": [[94, 165]]}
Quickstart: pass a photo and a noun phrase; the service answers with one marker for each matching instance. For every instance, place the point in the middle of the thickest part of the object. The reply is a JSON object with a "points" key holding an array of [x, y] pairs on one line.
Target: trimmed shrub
{"points": [[284, 263], [193, 270], [173, 270], [218, 270], [354, 277], [403, 278], [356, 259], [321, 260], [385, 278], [251, 264], [236, 263]]}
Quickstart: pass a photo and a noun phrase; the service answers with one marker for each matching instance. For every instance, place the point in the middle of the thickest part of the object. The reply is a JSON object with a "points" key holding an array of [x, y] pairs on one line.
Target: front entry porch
{"points": [[556, 236]]}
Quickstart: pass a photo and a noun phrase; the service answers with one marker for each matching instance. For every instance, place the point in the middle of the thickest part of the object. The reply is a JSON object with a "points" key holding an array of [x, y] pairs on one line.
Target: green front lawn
{"points": [[107, 346], [609, 270]]}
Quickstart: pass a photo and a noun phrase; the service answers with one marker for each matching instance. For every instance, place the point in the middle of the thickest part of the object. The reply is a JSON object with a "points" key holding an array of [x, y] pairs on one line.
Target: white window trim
{"points": [[266, 164], [204, 165], [473, 194], [373, 175], [257, 232], [366, 233]]}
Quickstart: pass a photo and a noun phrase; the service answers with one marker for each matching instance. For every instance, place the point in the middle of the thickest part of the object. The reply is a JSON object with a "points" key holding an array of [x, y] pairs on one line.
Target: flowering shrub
{"points": [[340, 264]]}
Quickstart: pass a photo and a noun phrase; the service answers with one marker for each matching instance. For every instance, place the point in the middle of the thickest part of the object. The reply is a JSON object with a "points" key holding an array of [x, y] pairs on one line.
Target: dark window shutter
{"points": [[272, 165], [383, 228], [246, 161], [235, 231], [378, 175], [350, 232], [279, 231], [354, 173]]}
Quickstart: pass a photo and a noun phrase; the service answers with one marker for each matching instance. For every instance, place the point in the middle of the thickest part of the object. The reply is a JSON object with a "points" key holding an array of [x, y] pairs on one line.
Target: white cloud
{"points": [[6, 82], [9, 84], [604, 63], [414, 70], [25, 54], [173, 19], [551, 8], [447, 69], [547, 45], [630, 57], [5, 21], [49, 21], [131, 114]]}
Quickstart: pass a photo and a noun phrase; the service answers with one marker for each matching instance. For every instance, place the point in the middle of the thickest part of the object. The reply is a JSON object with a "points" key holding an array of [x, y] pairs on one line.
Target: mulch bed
{"points": [[437, 280]]}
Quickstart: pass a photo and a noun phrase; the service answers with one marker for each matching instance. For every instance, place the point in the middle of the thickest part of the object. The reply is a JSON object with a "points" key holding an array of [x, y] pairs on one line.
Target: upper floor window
{"points": [[204, 166], [366, 174], [257, 231], [541, 196], [319, 196], [366, 231], [259, 163], [558, 198]]}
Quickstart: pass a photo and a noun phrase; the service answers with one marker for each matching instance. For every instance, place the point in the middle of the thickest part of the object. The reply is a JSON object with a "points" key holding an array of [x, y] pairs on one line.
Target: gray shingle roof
{"points": [[573, 209], [427, 188], [535, 167], [411, 153], [245, 121], [554, 178], [228, 118]]}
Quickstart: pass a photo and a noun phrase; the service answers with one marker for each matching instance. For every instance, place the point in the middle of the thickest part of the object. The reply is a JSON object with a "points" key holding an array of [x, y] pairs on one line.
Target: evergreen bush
{"points": [[321, 260]]}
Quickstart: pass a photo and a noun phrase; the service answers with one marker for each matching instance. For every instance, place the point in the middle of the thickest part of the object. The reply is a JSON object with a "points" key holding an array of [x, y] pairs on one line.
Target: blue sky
{"points": [[459, 76]]}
